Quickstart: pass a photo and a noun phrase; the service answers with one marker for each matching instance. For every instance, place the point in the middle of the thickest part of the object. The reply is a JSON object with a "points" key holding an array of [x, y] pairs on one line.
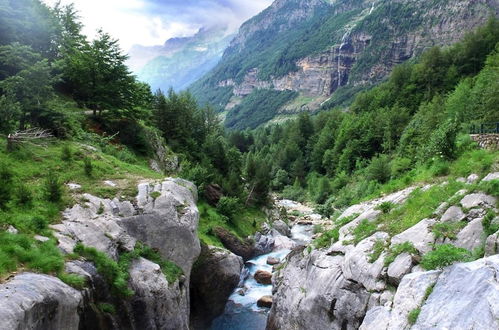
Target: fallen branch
{"points": [[33, 136]]}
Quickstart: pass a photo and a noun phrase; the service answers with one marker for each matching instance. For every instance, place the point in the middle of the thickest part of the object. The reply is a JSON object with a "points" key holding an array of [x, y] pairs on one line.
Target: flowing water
{"points": [[241, 311]]}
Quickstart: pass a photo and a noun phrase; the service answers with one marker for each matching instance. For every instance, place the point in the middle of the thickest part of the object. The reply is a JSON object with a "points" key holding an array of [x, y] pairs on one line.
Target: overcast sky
{"points": [[152, 22]]}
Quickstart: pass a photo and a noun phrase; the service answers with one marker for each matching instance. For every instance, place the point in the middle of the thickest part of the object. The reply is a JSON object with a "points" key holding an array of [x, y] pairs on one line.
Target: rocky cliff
{"points": [[376, 284], [164, 217], [326, 51]]}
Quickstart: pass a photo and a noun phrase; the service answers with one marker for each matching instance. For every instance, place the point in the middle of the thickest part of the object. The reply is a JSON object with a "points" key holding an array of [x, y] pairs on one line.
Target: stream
{"points": [[241, 311]]}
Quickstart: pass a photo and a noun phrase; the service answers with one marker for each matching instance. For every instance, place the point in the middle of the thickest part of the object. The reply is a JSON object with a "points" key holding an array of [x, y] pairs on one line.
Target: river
{"points": [[241, 311]]}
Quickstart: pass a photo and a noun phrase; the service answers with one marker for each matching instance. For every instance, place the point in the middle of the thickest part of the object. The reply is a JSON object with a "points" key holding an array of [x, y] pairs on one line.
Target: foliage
{"points": [[385, 207], [229, 207], [413, 315], [53, 188], [107, 308], [447, 229], [444, 255], [397, 249], [378, 248], [489, 225], [363, 230], [327, 238]]}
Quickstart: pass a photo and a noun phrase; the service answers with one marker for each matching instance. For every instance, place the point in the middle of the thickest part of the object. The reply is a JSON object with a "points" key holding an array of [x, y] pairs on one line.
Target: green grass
{"points": [[107, 308], [244, 224], [327, 238], [420, 204], [363, 230], [445, 255], [413, 315], [448, 229], [74, 280], [378, 248], [397, 249]]}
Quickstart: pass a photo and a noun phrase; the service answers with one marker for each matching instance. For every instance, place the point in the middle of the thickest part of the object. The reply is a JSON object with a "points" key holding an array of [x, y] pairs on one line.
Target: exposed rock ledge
{"points": [[166, 221]]}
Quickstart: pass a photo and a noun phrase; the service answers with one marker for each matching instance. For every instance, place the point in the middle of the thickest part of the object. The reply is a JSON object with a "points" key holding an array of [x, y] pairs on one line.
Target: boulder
{"points": [[420, 235], [214, 277], [265, 301], [35, 301], [263, 277], [478, 199], [472, 178], [471, 236], [156, 303], [441, 209], [492, 244], [377, 318], [491, 176], [466, 296], [12, 230], [284, 243], [399, 267], [213, 192], [263, 244], [234, 244], [453, 214], [273, 261], [282, 228]]}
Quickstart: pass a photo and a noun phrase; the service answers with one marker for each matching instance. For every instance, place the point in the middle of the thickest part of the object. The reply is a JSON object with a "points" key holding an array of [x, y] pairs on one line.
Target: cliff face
{"points": [[320, 48], [352, 286]]}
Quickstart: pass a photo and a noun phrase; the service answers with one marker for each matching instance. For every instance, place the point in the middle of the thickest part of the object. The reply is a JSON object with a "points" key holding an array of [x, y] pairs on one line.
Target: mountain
{"points": [[316, 53], [180, 61]]}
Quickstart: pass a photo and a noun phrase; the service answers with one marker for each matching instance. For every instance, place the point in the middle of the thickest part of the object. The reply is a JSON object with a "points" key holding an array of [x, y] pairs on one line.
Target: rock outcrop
{"points": [[164, 216], [367, 286]]}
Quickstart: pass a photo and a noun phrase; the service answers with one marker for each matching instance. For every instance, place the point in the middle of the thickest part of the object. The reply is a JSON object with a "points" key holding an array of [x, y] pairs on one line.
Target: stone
{"points": [[377, 318], [213, 192], [273, 261], [470, 237], [492, 244], [491, 176], [73, 186], [12, 230], [472, 178], [263, 244], [420, 235], [461, 179], [409, 296], [282, 228], [263, 277], [241, 248], [466, 296], [110, 183], [156, 303], [35, 301], [214, 278], [358, 268], [40, 238], [399, 267], [441, 209], [475, 213], [283, 242], [453, 214], [478, 199], [265, 301]]}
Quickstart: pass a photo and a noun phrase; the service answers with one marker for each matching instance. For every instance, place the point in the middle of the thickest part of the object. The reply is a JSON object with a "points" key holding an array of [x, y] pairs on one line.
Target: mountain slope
{"points": [[327, 50], [180, 61]]}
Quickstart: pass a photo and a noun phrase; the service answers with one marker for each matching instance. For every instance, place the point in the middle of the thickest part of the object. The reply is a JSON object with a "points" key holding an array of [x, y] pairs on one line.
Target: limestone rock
{"points": [[491, 176], [12, 230], [492, 244], [420, 235], [265, 301], [263, 244], [284, 242], [399, 267], [478, 199], [377, 318], [466, 296], [214, 278], [453, 214], [470, 237], [441, 209], [263, 277], [34, 301], [472, 178], [234, 244], [282, 228]]}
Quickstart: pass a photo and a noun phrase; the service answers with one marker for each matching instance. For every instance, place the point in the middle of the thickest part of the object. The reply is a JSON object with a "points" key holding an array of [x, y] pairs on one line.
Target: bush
{"points": [[327, 238], [444, 255], [400, 166], [53, 188], [448, 229], [66, 153], [363, 230], [489, 226], [397, 249], [24, 195], [107, 308], [76, 281], [379, 170], [88, 166], [439, 167], [229, 206], [385, 207], [6, 177]]}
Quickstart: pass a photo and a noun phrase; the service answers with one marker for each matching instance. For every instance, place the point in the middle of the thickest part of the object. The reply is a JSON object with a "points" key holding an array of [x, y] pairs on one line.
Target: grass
{"points": [[378, 248], [363, 230], [327, 238], [413, 315], [107, 308], [420, 204], [488, 226], [445, 255], [244, 224], [397, 249], [448, 229]]}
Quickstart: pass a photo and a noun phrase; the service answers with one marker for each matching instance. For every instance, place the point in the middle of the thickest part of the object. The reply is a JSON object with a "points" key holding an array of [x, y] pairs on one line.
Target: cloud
{"points": [[152, 22]]}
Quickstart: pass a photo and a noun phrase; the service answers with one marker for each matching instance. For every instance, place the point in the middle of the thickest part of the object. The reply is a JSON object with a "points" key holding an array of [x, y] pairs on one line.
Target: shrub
{"points": [[53, 188], [385, 207], [444, 255], [447, 229], [66, 153], [400, 166], [413, 315], [439, 167], [379, 170], [24, 195], [489, 226], [38, 223], [6, 177], [229, 206], [88, 166], [155, 194], [76, 281], [107, 308]]}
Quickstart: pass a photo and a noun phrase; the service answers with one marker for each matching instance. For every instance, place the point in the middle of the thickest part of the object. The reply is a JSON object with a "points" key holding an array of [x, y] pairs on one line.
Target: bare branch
{"points": [[34, 136]]}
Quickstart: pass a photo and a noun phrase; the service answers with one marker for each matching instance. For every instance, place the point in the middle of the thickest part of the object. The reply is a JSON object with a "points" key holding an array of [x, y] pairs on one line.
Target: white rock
{"points": [[471, 236], [472, 178], [41, 238], [478, 199], [491, 176], [110, 183], [377, 318], [73, 186], [453, 214], [441, 209], [12, 230], [399, 267], [492, 244], [420, 235]]}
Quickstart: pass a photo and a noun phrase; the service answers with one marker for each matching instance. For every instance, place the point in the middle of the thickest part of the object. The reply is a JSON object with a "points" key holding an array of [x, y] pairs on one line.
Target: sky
{"points": [[152, 22]]}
